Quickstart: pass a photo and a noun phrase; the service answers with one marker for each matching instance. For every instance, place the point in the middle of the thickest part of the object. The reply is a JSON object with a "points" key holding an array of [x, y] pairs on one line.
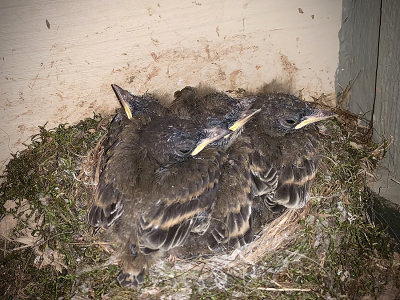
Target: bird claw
{"points": [[129, 280], [172, 259]]}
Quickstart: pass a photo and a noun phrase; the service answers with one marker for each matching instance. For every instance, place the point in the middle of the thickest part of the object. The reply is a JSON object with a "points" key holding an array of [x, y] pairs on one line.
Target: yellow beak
{"points": [[240, 123], [321, 115], [127, 109], [200, 147], [217, 133], [123, 96]]}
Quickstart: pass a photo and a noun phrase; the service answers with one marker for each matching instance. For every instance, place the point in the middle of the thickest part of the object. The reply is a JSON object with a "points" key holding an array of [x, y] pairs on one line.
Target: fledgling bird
{"points": [[286, 148], [277, 156], [159, 176]]}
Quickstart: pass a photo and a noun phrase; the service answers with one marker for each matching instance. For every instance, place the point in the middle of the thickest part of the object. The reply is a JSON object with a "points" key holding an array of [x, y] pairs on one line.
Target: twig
{"points": [[305, 256], [276, 283], [39, 242], [334, 162], [93, 243], [183, 273], [325, 197], [394, 180], [23, 247], [5, 246], [284, 289]]}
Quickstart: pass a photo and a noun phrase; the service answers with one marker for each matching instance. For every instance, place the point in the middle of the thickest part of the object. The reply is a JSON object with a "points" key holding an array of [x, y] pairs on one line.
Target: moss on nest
{"points": [[49, 194], [332, 250]]}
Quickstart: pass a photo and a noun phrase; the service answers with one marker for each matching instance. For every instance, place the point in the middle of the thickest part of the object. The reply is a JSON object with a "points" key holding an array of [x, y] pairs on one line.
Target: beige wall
{"points": [[63, 73]]}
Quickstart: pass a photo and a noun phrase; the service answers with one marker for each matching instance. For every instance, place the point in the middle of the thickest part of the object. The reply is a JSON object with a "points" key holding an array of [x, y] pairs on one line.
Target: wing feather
{"points": [[119, 168], [232, 211]]}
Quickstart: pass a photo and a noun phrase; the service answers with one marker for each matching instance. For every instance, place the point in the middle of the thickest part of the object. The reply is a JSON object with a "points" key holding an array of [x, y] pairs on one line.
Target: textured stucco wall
{"points": [[58, 58]]}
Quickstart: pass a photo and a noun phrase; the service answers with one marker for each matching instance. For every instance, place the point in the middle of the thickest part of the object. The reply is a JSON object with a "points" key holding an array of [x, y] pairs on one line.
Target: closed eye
{"points": [[290, 121], [184, 151]]}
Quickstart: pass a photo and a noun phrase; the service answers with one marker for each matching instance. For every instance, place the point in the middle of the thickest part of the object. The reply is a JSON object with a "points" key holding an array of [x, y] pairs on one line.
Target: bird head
{"points": [[136, 105], [171, 139], [213, 108], [282, 114]]}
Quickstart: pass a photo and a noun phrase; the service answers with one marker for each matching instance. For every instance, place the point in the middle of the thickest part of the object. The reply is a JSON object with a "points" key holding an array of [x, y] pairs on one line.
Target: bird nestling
{"points": [[286, 149], [158, 180], [273, 162]]}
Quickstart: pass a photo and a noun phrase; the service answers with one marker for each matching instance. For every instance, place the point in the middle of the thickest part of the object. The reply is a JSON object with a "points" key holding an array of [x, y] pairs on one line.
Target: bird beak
{"points": [[123, 97], [317, 116], [214, 134], [240, 123]]}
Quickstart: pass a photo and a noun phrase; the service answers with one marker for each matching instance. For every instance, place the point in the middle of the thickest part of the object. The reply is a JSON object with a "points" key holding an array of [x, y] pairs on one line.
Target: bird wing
{"points": [[231, 217], [180, 193], [265, 175], [293, 190], [118, 172], [294, 183], [184, 191], [287, 181]]}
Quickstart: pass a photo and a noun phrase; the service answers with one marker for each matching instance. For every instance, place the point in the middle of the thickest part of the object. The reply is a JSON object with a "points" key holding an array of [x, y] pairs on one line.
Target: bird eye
{"points": [[184, 151], [290, 121]]}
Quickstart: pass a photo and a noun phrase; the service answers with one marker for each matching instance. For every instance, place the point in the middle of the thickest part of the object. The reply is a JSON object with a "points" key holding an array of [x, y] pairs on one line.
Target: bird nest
{"points": [[330, 248]]}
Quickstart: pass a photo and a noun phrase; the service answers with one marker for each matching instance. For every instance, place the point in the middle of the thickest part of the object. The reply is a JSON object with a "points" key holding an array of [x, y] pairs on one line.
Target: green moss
{"points": [[45, 175]]}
